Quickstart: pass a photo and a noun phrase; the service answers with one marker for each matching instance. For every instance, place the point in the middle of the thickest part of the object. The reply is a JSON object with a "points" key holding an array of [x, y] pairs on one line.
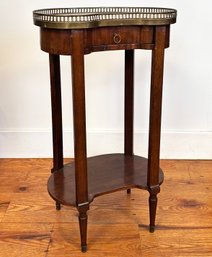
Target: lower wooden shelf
{"points": [[106, 174]]}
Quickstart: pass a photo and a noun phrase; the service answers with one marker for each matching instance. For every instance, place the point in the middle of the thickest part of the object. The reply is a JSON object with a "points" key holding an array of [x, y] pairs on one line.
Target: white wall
{"points": [[25, 119]]}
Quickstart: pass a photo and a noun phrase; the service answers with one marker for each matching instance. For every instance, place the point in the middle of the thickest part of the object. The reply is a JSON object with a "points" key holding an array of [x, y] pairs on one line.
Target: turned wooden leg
{"points": [[83, 220], [152, 211], [155, 121], [153, 206], [79, 114]]}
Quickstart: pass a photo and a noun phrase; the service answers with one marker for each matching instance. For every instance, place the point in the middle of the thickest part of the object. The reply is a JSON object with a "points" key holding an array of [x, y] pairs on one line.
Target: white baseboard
{"points": [[174, 144]]}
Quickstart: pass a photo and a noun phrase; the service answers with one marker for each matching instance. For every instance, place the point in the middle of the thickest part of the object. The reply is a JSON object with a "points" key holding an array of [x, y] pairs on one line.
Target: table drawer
{"points": [[119, 37], [115, 36]]}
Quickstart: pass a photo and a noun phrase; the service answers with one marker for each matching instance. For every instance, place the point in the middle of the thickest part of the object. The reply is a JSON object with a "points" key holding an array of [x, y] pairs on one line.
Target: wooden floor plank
{"points": [[28, 207], [117, 223], [103, 240], [176, 241], [24, 239], [4, 204]]}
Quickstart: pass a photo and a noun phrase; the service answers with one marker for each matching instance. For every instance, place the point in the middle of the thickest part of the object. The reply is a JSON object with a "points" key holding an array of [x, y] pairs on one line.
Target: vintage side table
{"points": [[80, 31]]}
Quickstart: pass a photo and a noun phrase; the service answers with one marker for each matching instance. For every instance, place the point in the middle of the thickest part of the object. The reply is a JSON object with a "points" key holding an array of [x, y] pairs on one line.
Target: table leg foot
{"points": [[83, 220], [154, 190], [151, 229], [84, 248], [58, 206]]}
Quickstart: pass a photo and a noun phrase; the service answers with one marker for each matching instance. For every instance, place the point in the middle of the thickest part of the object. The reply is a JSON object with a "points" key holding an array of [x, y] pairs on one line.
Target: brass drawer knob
{"points": [[116, 38]]}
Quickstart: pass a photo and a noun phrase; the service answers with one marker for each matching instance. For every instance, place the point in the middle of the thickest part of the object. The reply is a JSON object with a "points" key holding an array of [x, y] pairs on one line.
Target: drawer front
{"points": [[116, 36]]}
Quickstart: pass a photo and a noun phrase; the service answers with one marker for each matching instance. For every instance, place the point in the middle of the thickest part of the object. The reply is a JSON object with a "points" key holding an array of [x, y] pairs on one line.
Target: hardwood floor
{"points": [[118, 223]]}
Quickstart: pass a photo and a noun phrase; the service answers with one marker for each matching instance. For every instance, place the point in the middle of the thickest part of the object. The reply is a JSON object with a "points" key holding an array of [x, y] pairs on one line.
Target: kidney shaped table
{"points": [[80, 31]]}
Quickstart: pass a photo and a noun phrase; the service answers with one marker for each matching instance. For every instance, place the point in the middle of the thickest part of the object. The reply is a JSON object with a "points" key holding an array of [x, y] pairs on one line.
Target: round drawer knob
{"points": [[116, 38]]}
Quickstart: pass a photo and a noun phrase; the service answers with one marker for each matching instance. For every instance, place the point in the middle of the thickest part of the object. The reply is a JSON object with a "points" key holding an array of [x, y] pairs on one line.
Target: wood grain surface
{"points": [[118, 222], [106, 173]]}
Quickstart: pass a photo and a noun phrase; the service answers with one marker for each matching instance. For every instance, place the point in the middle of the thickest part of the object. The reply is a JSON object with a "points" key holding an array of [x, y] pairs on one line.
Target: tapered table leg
{"points": [[129, 104], [54, 62], [79, 113], [155, 121]]}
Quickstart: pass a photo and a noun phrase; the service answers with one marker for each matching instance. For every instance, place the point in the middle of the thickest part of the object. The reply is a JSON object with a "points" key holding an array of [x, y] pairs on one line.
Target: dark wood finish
{"points": [[155, 105], [56, 41], [129, 102], [155, 120], [57, 130], [106, 174], [79, 113], [80, 182], [113, 37]]}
